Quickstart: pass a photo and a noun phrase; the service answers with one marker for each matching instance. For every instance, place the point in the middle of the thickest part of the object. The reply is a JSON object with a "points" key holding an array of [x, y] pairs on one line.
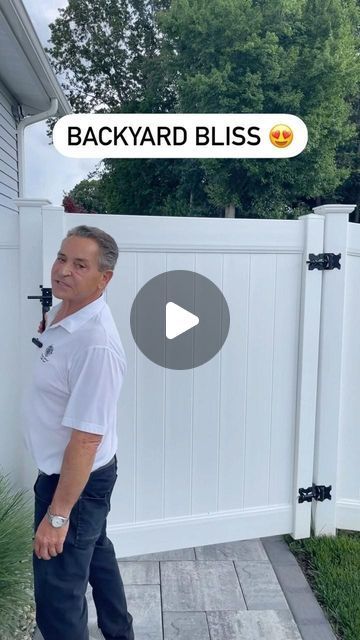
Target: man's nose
{"points": [[65, 271]]}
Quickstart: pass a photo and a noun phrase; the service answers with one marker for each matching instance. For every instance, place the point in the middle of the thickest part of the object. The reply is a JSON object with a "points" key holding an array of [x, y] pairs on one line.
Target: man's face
{"points": [[75, 276]]}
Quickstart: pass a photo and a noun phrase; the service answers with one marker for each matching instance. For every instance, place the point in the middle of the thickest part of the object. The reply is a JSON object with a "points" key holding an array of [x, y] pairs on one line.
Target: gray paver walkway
{"points": [[243, 590], [239, 590]]}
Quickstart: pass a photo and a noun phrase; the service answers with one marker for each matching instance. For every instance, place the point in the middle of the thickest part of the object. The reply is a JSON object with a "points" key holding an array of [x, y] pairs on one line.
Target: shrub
{"points": [[16, 544]]}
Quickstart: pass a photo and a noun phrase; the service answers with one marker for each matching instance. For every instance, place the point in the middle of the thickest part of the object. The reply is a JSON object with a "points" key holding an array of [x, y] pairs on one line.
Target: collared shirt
{"points": [[75, 384]]}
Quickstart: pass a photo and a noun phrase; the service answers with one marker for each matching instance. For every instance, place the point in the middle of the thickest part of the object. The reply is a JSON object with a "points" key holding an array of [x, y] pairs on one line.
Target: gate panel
{"points": [[207, 455]]}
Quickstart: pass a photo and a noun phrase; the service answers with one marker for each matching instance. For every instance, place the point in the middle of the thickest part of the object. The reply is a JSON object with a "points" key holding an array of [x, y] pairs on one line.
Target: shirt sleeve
{"points": [[95, 377]]}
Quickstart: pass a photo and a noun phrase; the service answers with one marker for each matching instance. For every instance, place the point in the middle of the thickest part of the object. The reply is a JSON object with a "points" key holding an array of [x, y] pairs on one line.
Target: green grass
{"points": [[332, 568]]}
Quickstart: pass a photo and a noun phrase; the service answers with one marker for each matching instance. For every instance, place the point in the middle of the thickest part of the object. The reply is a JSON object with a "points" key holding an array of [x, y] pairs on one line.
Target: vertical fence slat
{"points": [[307, 373]]}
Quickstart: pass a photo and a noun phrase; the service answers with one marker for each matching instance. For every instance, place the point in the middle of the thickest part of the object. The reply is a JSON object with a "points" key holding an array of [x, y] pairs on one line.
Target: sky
{"points": [[48, 173]]}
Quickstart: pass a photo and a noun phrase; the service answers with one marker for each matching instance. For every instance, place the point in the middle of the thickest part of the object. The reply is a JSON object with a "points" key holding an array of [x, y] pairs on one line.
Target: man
{"points": [[69, 414]]}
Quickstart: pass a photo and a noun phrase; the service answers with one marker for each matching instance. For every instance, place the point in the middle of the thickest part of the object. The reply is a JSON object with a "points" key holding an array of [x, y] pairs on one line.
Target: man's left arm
{"points": [[75, 471], [76, 467]]}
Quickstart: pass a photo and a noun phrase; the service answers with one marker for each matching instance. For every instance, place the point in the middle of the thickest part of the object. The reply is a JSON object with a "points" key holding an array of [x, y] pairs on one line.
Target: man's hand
{"points": [[49, 541], [42, 325]]}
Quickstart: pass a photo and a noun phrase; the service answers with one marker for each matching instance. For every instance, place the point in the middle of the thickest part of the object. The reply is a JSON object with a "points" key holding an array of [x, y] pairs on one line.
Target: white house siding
{"points": [[10, 311], [10, 348], [9, 182]]}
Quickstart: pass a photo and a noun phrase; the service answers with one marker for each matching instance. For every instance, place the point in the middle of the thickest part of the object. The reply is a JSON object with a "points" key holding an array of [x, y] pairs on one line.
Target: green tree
{"points": [[106, 54], [156, 187], [234, 56], [218, 56], [349, 155], [87, 194]]}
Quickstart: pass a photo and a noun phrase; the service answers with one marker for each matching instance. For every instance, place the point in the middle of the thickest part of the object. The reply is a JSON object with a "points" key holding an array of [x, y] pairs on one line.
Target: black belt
{"points": [[42, 473]]}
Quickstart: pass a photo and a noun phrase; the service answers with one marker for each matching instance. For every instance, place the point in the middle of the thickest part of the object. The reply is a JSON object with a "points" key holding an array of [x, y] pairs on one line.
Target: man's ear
{"points": [[107, 277]]}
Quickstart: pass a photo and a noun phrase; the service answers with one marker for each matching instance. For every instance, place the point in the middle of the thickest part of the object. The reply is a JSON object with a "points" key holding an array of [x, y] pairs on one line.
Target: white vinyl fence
{"points": [[223, 451]]}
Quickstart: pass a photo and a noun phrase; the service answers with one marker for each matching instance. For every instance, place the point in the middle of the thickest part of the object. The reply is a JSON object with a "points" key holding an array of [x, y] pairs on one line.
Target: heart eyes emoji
{"points": [[281, 135]]}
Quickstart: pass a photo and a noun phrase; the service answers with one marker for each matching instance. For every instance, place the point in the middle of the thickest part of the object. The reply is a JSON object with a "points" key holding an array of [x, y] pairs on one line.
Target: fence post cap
{"points": [[31, 202], [334, 208]]}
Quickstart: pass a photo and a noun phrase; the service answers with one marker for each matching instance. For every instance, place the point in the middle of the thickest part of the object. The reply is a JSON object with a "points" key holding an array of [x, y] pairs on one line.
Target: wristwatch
{"points": [[56, 521]]}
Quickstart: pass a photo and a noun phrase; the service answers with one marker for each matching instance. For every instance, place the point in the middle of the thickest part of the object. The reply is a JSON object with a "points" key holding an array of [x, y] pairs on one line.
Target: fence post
{"points": [[53, 232], [30, 277], [330, 366], [307, 373]]}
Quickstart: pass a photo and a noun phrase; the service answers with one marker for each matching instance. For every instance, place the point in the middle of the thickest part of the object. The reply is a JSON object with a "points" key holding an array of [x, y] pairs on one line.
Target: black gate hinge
{"points": [[324, 261], [316, 492]]}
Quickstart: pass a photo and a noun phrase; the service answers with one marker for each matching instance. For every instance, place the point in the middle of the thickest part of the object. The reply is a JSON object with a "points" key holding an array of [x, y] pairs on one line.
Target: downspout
{"points": [[52, 111]]}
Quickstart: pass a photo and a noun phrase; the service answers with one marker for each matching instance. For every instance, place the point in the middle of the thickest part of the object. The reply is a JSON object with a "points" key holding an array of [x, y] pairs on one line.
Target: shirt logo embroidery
{"points": [[48, 352]]}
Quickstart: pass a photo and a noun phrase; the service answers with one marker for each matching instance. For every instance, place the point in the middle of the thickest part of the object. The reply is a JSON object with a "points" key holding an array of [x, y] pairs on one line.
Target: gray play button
{"points": [[180, 319]]}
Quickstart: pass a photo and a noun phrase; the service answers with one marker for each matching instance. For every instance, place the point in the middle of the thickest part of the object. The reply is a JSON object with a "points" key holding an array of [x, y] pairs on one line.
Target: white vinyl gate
{"points": [[220, 452]]}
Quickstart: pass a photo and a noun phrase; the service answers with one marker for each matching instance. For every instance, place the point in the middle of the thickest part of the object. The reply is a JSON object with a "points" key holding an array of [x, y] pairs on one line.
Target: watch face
{"points": [[57, 522]]}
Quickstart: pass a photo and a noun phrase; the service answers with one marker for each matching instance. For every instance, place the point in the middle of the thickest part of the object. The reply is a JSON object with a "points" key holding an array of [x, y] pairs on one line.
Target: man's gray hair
{"points": [[108, 249]]}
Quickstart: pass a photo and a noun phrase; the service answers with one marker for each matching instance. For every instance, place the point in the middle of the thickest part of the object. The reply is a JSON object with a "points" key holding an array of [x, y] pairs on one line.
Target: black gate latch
{"points": [[316, 492], [324, 261]]}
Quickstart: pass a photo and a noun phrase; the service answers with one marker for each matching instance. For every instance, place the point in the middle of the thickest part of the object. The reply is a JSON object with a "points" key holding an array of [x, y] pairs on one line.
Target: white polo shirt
{"points": [[75, 384]]}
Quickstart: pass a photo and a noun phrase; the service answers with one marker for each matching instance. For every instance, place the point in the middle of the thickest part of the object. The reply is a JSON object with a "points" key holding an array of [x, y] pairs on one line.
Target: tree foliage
{"points": [[234, 56], [218, 56], [106, 53], [85, 197]]}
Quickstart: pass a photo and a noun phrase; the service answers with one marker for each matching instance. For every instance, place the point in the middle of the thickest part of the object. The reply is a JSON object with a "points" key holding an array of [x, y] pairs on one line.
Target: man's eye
{"points": [[61, 259], [82, 266]]}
